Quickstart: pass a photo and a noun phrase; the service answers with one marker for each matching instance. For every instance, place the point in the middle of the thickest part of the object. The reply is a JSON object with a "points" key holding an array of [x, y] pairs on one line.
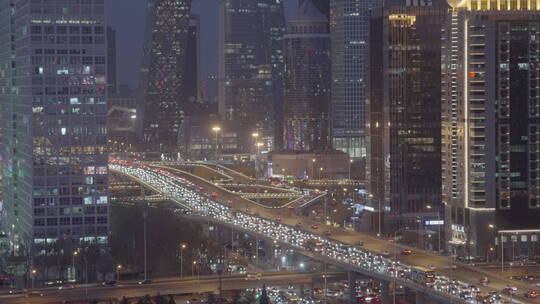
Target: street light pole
{"points": [[216, 129], [75, 253], [145, 215], [182, 247], [350, 165], [118, 267]]}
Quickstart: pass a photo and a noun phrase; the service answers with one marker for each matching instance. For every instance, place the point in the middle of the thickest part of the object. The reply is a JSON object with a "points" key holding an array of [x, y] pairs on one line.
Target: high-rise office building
{"points": [[491, 127], [349, 28], [112, 80], [307, 80], [405, 108], [53, 94], [163, 73], [251, 63]]}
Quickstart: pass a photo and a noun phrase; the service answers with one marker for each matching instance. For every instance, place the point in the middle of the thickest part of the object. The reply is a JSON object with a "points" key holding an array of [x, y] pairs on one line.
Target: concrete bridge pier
{"points": [[352, 286], [420, 298], [385, 292]]}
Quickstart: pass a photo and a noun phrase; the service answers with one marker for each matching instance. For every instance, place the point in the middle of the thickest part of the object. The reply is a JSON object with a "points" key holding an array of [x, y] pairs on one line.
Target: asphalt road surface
{"points": [[164, 287]]}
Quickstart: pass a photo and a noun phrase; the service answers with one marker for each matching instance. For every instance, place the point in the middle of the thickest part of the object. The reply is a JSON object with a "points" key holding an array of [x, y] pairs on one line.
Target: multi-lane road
{"points": [[166, 286], [442, 264]]}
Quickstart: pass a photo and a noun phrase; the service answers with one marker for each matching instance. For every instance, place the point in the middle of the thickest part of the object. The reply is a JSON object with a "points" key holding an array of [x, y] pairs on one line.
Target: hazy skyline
{"points": [[129, 26]]}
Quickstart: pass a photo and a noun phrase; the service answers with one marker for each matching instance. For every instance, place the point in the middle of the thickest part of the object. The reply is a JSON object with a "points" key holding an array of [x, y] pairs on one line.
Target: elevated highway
{"points": [[241, 220]]}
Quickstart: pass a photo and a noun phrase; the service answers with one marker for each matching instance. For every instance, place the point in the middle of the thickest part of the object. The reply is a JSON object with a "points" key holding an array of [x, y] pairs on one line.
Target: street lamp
{"points": [[193, 268], [75, 253], [216, 129], [182, 247], [350, 165], [34, 272], [118, 267], [313, 167], [320, 172]]}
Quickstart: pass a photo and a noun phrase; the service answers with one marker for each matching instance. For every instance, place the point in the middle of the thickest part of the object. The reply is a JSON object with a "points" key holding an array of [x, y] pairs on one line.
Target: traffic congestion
{"points": [[185, 192]]}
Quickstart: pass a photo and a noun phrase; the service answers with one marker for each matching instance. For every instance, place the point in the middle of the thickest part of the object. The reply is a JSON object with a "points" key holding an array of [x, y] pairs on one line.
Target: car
{"points": [[34, 293], [66, 286], [431, 267], [358, 243], [145, 282], [298, 225], [406, 252], [327, 233], [509, 290], [253, 276], [385, 253], [17, 291], [484, 281], [314, 226], [108, 283], [531, 294], [279, 219]]}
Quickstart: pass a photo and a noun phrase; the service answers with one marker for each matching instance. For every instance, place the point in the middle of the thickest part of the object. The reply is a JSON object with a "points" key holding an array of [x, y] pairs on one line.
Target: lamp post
{"points": [[118, 267], [145, 215], [34, 272], [193, 268], [182, 247], [395, 259], [313, 167], [320, 173], [350, 165], [75, 253], [216, 130]]}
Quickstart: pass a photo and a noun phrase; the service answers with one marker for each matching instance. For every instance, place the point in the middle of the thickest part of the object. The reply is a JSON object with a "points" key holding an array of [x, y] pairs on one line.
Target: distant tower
{"points": [[307, 80], [251, 63], [349, 29], [163, 73], [322, 5]]}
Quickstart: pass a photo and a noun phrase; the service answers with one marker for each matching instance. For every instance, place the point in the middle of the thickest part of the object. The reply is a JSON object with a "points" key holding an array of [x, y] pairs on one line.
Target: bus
{"points": [[422, 275]]}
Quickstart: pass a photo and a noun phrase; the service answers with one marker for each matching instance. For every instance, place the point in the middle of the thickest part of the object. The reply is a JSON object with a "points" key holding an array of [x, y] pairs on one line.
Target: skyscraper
{"points": [[163, 75], [251, 63], [53, 94], [307, 80], [405, 93], [349, 28], [491, 127], [322, 5], [112, 80]]}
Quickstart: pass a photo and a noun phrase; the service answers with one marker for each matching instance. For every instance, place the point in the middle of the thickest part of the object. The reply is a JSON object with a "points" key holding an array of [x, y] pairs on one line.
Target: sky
{"points": [[129, 24]]}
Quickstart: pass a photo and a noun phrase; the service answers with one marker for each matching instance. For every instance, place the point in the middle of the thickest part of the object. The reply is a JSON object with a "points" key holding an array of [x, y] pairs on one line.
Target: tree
{"points": [[171, 300], [159, 299]]}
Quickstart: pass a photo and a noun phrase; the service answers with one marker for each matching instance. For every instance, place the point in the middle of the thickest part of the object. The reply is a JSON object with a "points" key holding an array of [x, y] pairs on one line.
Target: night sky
{"points": [[129, 21]]}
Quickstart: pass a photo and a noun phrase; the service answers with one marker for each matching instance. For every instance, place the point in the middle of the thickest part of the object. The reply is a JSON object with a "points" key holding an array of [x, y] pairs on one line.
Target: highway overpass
{"points": [[441, 263]]}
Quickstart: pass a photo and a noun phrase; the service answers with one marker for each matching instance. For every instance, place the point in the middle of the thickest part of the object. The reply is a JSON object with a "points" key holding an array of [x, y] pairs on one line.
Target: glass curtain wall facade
{"points": [[163, 73], [349, 29], [251, 64], [53, 83], [307, 80], [491, 127], [405, 92]]}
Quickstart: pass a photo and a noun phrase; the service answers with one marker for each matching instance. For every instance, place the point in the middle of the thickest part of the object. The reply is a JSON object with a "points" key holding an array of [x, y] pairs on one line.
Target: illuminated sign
{"points": [[434, 223]]}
